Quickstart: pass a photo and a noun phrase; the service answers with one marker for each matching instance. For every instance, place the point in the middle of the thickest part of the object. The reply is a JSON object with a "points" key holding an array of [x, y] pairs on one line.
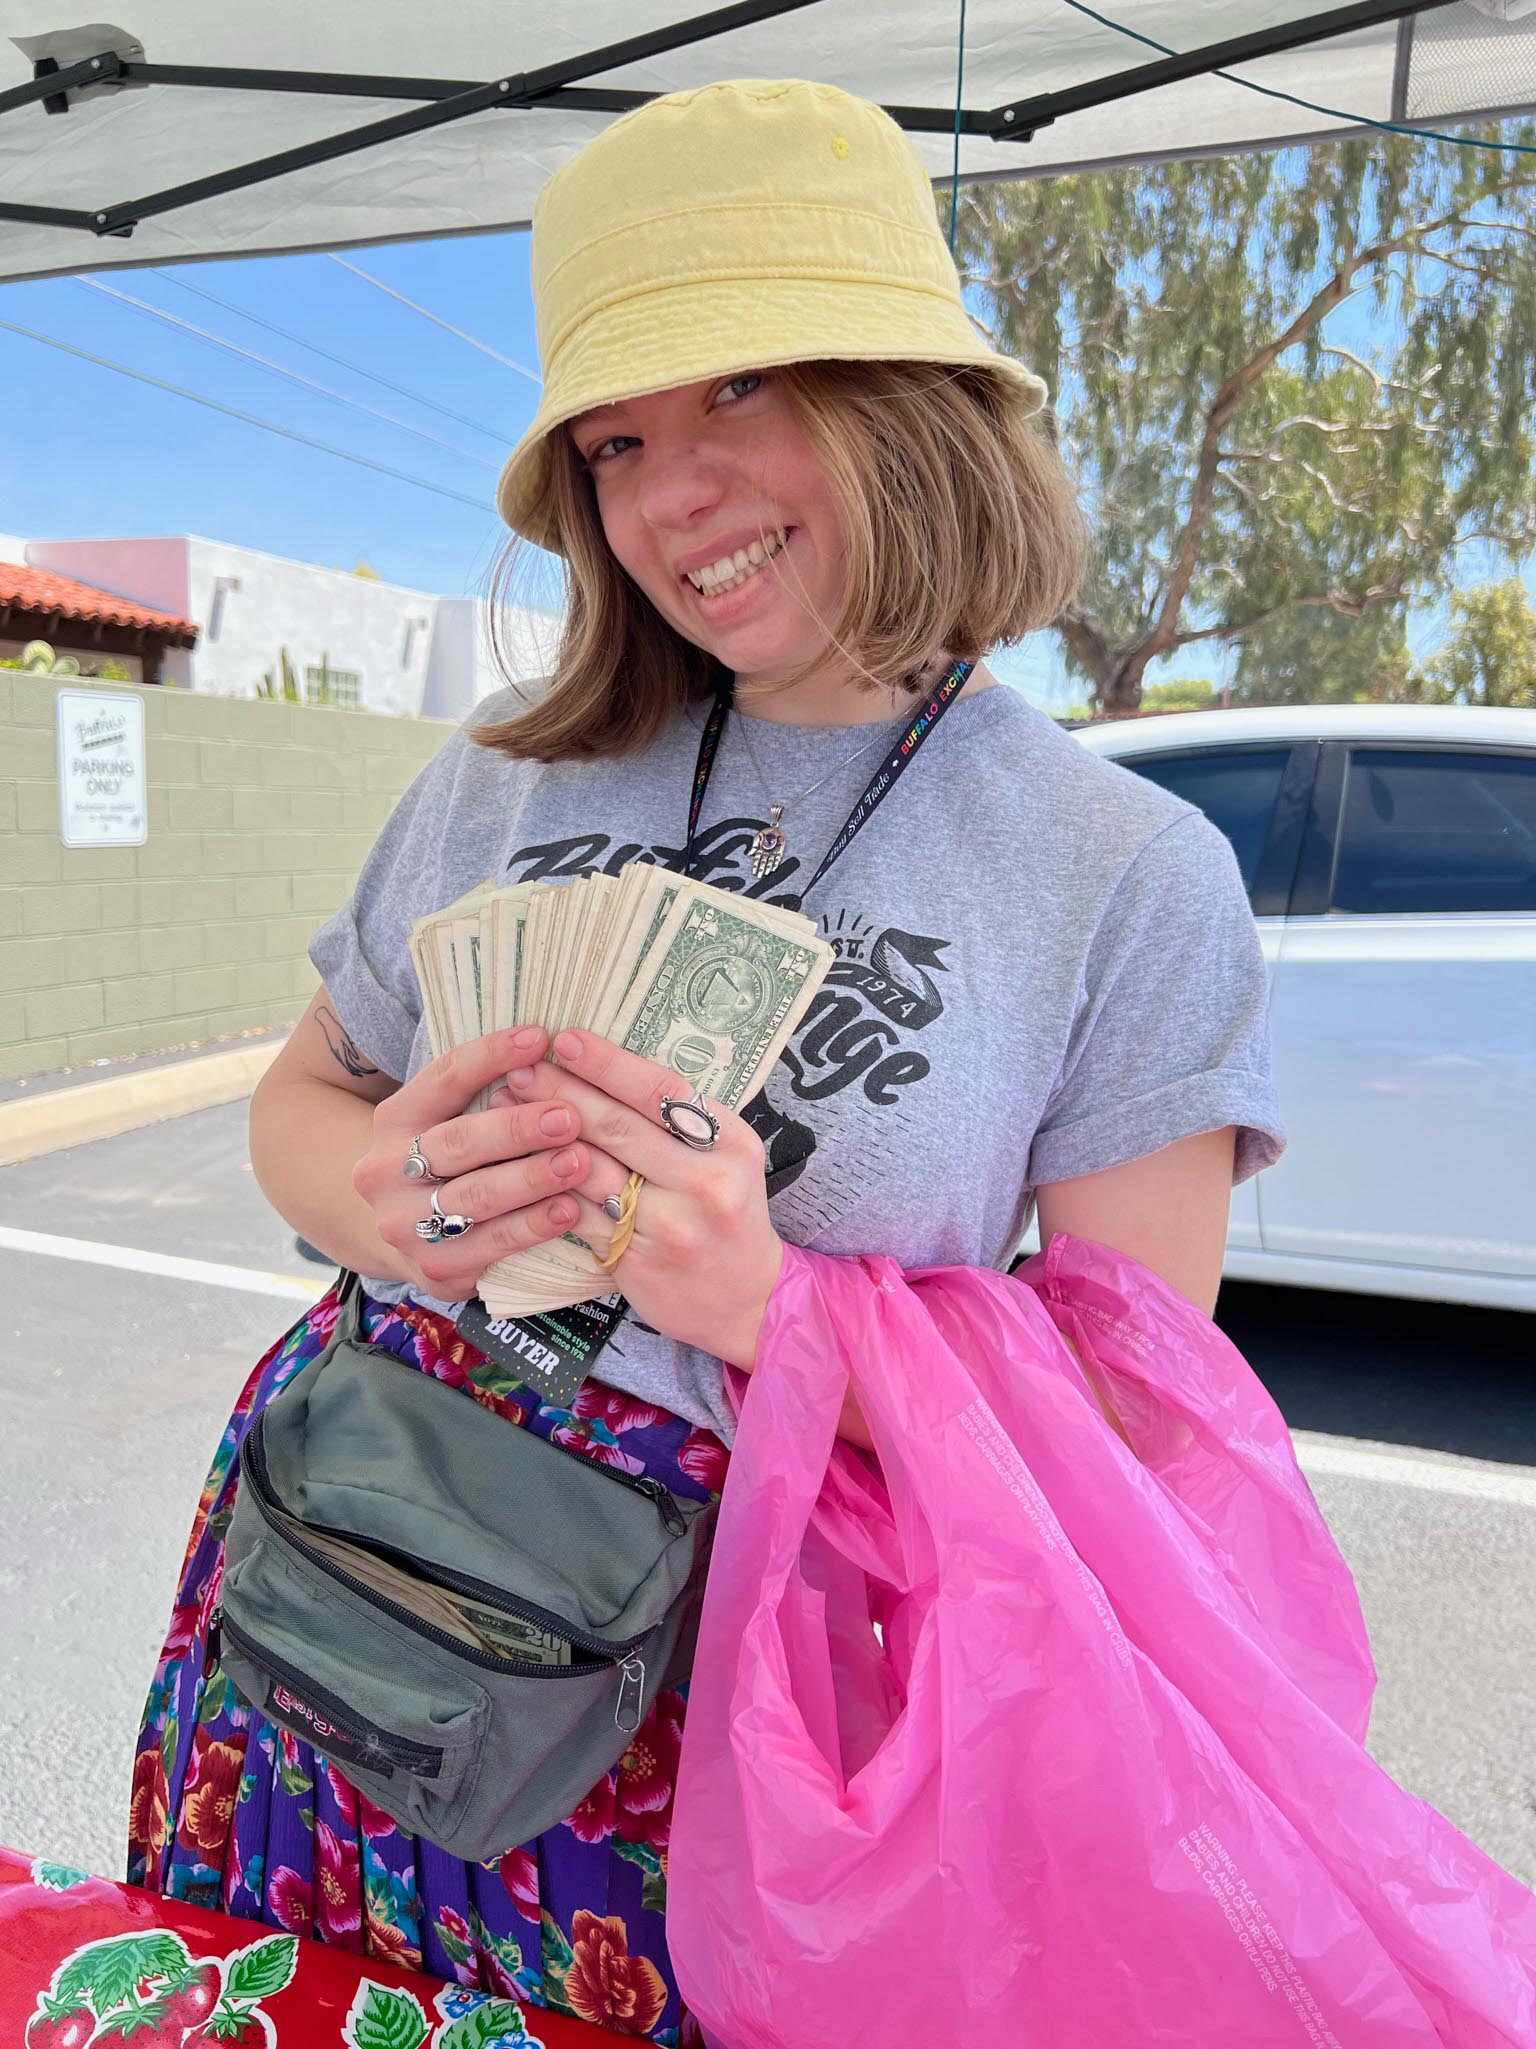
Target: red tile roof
{"points": [[41, 590]]}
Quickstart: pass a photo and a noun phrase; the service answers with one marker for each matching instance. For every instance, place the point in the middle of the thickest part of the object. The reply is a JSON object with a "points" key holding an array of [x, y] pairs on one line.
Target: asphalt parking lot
{"points": [[1415, 1424]]}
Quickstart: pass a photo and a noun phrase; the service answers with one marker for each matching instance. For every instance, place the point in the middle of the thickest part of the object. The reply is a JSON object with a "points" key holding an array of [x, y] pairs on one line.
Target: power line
{"points": [[278, 370], [1270, 92], [427, 314], [251, 419], [345, 362]]}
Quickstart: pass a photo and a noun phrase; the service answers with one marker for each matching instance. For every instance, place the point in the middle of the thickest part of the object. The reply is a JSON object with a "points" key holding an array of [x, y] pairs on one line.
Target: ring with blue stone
{"points": [[438, 1225]]}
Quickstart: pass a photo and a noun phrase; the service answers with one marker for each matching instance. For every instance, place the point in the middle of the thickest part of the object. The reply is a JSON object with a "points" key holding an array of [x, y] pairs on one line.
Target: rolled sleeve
{"points": [[362, 954], [1129, 1130], [1172, 1032]]}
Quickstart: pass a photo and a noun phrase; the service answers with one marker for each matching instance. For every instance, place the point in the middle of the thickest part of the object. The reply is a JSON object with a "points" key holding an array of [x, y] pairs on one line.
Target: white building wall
{"points": [[463, 668], [249, 606], [414, 653]]}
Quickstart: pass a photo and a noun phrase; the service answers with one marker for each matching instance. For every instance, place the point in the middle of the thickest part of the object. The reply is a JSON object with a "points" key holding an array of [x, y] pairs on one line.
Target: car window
{"points": [[1235, 787], [1437, 831]]}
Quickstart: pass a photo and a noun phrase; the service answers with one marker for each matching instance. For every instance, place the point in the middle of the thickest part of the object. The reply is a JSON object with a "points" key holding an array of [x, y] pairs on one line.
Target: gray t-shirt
{"points": [[1046, 966]]}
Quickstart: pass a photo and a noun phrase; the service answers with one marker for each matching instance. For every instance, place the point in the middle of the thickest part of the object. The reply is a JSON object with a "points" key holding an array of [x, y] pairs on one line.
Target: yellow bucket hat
{"points": [[729, 228]]}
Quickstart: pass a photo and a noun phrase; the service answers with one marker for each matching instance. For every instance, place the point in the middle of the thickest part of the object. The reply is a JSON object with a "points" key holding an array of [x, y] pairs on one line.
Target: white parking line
{"points": [[208, 1271], [1337, 1456]]}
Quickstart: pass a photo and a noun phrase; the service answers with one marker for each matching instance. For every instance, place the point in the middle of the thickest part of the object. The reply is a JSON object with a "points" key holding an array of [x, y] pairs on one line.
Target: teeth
{"points": [[732, 570]]}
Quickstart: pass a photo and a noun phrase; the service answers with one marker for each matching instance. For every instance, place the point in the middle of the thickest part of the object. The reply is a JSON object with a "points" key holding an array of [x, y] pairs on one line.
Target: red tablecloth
{"points": [[83, 1960]]}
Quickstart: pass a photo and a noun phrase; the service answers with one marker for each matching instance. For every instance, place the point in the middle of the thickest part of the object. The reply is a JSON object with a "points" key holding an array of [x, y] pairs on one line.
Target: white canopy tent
{"points": [[187, 132]]}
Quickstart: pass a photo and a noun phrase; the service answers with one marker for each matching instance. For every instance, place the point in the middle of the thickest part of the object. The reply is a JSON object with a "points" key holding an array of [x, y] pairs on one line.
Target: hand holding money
{"points": [[517, 1167], [701, 986], [704, 1256]]}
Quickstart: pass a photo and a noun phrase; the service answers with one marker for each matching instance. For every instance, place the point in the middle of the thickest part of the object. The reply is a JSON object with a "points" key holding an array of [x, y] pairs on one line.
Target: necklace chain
{"points": [[769, 845], [847, 762]]}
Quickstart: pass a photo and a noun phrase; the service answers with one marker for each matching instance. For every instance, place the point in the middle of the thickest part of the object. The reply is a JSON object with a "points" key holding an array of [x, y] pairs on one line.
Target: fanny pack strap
{"points": [[349, 1300]]}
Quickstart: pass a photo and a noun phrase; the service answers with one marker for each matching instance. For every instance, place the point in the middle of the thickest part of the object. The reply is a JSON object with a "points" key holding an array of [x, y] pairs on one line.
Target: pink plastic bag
{"points": [[1100, 1781]]}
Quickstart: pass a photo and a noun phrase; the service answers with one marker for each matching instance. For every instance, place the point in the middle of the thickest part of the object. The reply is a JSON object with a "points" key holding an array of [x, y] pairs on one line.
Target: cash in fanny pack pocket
{"points": [[468, 1620]]}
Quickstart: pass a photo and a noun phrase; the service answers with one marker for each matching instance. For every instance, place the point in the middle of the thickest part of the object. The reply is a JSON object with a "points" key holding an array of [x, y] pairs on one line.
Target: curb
{"points": [[33, 1125]]}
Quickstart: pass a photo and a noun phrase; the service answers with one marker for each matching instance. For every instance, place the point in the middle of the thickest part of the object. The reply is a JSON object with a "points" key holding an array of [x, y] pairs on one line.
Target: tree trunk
{"points": [[1114, 671], [1119, 694]]}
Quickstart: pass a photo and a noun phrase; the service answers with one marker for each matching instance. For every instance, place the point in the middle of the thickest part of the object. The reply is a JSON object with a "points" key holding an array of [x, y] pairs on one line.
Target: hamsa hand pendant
{"points": [[767, 847]]}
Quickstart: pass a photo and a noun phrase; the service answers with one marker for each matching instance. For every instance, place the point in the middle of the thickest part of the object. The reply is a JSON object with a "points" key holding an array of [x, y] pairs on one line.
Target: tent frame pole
{"points": [[554, 86], [1031, 115]]}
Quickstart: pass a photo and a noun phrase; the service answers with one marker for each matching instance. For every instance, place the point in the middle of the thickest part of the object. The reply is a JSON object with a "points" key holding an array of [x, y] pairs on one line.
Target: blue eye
{"points": [[748, 378], [613, 441]]}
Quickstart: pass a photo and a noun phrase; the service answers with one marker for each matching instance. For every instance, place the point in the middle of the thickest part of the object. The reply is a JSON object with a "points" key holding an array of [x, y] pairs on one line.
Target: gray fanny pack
{"points": [[469, 1621]]}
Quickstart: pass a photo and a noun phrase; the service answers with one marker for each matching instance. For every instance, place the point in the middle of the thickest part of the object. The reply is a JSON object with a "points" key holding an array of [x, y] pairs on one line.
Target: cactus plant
{"points": [[288, 685], [39, 659]]}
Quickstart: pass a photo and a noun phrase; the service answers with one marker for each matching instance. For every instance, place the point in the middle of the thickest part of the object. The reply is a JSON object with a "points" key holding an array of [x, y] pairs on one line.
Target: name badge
{"points": [[552, 1354]]}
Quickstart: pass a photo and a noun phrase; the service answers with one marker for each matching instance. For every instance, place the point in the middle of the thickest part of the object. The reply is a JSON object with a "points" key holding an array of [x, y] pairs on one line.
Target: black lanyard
{"points": [[880, 785]]}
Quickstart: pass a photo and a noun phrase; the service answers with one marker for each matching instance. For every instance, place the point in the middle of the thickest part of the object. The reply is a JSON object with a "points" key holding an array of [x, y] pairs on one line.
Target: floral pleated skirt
{"points": [[230, 1811]]}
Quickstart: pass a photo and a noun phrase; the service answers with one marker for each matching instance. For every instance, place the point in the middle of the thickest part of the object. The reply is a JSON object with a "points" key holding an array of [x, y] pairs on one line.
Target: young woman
{"points": [[797, 499]]}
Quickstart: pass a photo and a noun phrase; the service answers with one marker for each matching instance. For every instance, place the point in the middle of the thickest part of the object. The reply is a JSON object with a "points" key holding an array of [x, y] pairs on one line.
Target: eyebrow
{"points": [[593, 418]]}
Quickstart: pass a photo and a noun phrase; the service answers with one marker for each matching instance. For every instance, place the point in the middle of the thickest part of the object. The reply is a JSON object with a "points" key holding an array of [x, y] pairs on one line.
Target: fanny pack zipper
{"points": [[620, 1655], [400, 1750], [673, 1519]]}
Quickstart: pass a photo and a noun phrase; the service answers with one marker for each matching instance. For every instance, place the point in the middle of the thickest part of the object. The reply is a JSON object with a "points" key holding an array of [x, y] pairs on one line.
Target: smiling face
{"points": [[713, 502]]}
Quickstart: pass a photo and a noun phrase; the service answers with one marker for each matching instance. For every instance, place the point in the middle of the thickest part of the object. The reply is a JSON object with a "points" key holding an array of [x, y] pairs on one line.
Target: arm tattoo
{"points": [[344, 1047]]}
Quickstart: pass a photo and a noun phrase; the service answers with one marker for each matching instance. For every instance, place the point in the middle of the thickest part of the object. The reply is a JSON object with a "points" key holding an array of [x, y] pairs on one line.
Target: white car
{"points": [[1390, 857]]}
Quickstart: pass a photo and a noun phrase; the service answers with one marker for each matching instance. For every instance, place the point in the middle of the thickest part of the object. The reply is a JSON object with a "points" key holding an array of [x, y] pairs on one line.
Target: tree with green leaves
{"points": [[1290, 382], [1310, 655], [1489, 657]]}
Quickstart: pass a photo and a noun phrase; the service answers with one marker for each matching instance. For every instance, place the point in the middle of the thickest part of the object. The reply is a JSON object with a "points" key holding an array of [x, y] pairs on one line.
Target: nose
{"points": [[681, 483]]}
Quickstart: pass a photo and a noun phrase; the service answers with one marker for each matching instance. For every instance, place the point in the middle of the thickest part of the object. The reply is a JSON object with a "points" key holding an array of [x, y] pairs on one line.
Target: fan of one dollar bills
{"points": [[705, 981]]}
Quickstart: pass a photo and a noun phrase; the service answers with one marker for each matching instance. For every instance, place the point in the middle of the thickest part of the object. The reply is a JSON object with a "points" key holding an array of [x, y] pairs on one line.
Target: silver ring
{"points": [[678, 1113], [437, 1225], [613, 1208], [416, 1168]]}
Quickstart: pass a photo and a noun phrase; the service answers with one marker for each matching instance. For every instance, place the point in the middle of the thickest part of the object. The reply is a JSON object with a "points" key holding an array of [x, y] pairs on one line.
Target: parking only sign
{"points": [[102, 782]]}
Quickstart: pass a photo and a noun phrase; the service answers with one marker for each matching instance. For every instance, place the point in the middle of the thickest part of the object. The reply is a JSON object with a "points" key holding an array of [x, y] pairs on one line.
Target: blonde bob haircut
{"points": [[964, 534]]}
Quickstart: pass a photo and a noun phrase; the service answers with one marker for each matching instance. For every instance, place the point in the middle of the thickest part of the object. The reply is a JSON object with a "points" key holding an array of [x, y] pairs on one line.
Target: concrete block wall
{"points": [[260, 815]]}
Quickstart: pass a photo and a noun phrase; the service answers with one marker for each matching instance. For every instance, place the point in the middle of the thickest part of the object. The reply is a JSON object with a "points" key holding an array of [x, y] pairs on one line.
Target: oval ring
{"points": [[705, 1127]]}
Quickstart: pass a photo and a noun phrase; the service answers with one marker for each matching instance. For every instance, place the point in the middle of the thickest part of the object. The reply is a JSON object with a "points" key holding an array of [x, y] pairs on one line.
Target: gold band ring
{"points": [[624, 1228]]}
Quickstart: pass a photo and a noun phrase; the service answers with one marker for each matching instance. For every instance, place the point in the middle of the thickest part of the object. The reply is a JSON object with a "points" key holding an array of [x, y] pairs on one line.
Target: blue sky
{"points": [[125, 458]]}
